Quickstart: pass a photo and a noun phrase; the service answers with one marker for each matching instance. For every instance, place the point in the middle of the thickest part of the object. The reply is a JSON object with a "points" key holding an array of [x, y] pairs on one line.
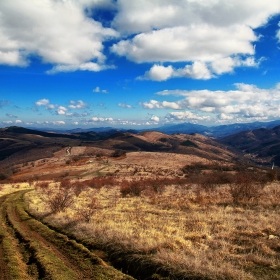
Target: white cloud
{"points": [[245, 102], [59, 32], [18, 121], [57, 122], [190, 43], [186, 116], [145, 15], [212, 37], [77, 104], [124, 105], [198, 69], [61, 110], [154, 104], [223, 116], [45, 103], [100, 119], [89, 66], [158, 73], [155, 118], [97, 89]]}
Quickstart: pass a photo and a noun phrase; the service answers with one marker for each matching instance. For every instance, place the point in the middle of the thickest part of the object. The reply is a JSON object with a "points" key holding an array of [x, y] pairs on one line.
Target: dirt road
{"points": [[31, 250]]}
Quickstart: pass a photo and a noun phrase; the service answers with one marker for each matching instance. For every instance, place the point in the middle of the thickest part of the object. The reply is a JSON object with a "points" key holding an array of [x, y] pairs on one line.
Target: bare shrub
{"points": [[86, 212], [133, 188], [41, 186], [210, 181], [245, 189], [59, 197], [78, 187], [99, 182]]}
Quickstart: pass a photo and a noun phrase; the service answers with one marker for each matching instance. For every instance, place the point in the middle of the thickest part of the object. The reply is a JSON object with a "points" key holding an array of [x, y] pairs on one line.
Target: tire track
{"points": [[43, 253]]}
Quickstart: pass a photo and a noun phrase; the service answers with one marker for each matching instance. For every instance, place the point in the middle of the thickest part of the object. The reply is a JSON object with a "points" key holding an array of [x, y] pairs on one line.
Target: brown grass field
{"points": [[146, 216], [181, 232]]}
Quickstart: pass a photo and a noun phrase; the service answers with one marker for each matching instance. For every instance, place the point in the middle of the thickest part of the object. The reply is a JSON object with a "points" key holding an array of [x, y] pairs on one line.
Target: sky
{"points": [[68, 64]]}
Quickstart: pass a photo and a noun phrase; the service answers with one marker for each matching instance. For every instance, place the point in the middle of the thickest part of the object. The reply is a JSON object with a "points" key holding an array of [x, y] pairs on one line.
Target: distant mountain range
{"points": [[186, 128], [216, 131], [261, 145], [21, 145]]}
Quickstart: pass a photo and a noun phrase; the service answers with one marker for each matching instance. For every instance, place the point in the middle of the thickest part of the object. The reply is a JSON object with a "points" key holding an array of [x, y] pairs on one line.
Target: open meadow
{"points": [[173, 228], [149, 215]]}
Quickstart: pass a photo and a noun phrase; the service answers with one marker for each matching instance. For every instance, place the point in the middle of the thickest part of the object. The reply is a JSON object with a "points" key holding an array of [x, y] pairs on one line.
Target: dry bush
{"points": [[58, 197], [78, 187], [86, 211], [99, 182], [246, 188], [132, 188]]}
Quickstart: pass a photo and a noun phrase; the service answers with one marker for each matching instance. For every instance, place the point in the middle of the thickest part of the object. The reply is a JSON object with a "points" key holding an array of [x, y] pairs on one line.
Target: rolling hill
{"points": [[262, 145], [19, 145]]}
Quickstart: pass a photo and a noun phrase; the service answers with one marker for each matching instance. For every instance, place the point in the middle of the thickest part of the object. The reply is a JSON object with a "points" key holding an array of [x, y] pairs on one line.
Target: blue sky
{"points": [[91, 63]]}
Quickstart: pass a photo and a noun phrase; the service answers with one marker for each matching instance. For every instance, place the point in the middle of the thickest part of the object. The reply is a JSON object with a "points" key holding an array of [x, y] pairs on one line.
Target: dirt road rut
{"points": [[31, 250]]}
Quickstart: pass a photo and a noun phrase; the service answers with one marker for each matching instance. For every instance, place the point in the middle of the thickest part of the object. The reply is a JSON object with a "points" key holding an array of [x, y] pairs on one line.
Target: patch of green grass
{"points": [[15, 266], [79, 254]]}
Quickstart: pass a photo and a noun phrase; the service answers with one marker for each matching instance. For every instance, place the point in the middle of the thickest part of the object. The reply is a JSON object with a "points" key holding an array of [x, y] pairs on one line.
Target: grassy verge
{"points": [[51, 262], [14, 265]]}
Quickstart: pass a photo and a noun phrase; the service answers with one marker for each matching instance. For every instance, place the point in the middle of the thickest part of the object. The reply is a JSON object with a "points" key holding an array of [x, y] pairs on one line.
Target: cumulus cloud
{"points": [[144, 15], [61, 110], [198, 69], [59, 32], [246, 102], [77, 104], [45, 103], [193, 43], [213, 37], [101, 119], [155, 118], [186, 116], [154, 104], [158, 73]]}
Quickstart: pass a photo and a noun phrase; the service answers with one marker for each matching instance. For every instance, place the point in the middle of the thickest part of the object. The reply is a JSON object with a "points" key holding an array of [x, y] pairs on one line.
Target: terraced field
{"points": [[31, 250]]}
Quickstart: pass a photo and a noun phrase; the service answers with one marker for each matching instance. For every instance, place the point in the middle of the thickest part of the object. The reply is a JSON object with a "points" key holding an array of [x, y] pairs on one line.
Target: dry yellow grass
{"points": [[12, 187], [183, 230]]}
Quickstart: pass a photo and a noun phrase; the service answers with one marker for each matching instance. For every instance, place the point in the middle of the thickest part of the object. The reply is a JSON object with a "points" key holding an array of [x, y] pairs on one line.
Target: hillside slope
{"points": [[262, 145]]}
